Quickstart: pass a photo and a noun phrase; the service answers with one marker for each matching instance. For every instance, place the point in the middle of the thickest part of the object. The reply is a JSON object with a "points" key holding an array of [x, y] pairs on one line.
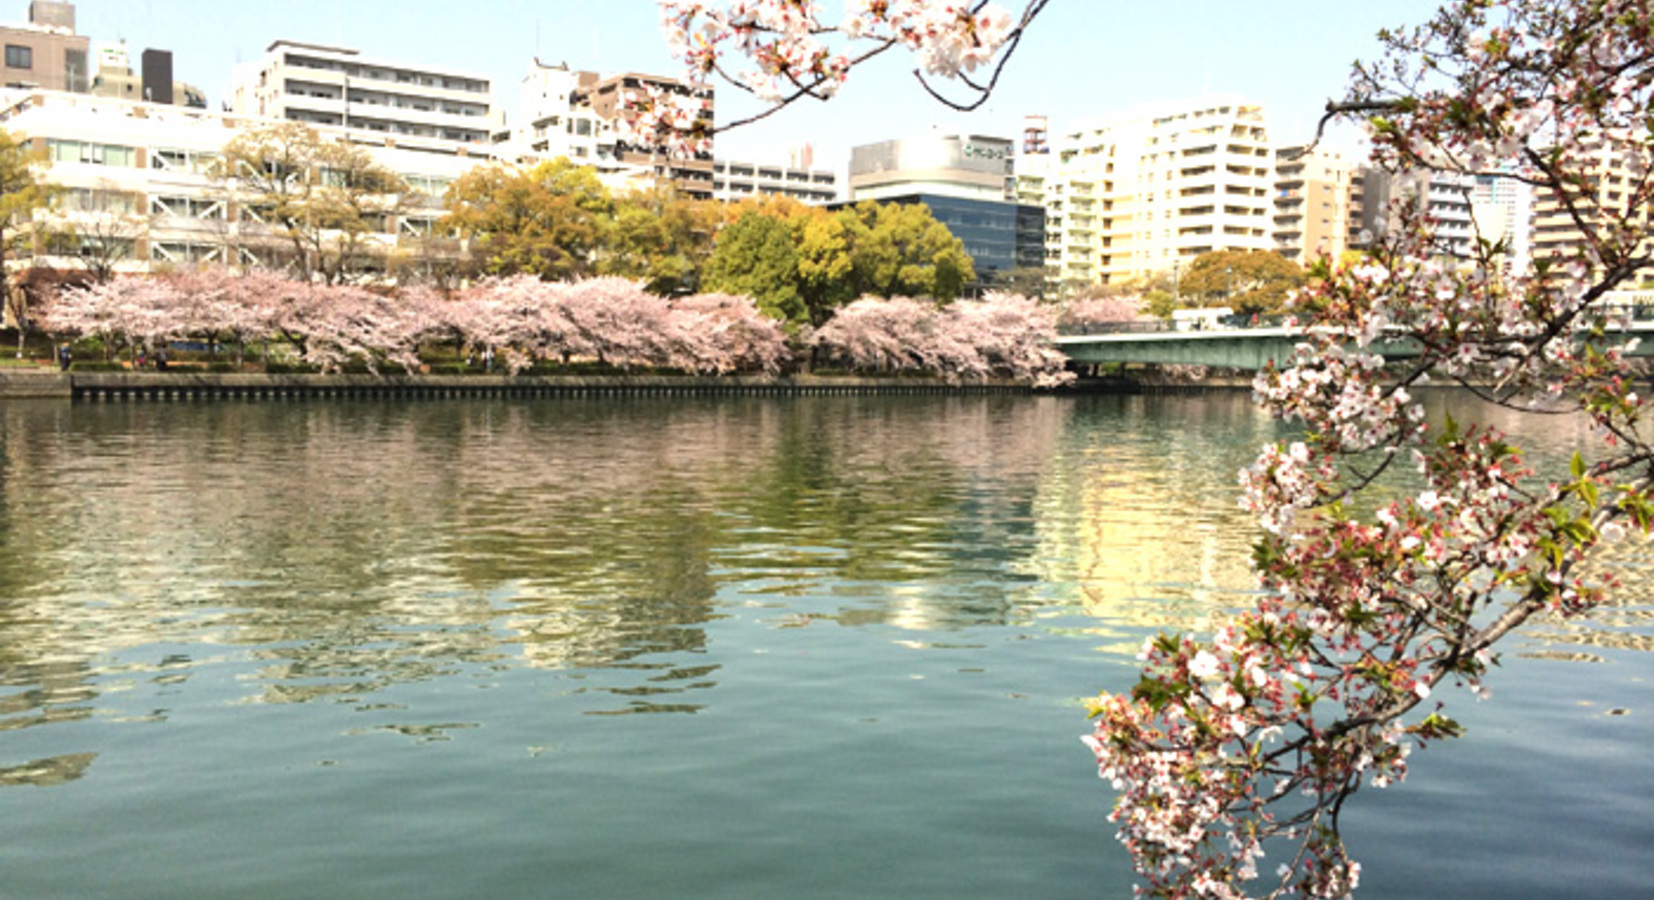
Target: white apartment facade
{"points": [[1131, 195], [137, 175], [737, 180], [398, 104]]}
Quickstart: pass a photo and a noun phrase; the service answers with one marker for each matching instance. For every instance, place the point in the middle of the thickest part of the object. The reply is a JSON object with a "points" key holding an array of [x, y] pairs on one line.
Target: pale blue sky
{"points": [[1082, 58]]}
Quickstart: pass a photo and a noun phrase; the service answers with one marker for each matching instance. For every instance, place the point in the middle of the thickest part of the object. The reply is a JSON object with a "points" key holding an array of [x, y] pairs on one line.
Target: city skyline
{"points": [[1079, 60]]}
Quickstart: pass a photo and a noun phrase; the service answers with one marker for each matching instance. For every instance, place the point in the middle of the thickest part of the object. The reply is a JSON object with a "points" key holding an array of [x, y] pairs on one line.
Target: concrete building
{"points": [[1316, 205], [153, 83], [736, 180], [136, 188], [45, 52], [1134, 194], [580, 115], [1446, 194], [606, 98], [1503, 209], [397, 104], [966, 182]]}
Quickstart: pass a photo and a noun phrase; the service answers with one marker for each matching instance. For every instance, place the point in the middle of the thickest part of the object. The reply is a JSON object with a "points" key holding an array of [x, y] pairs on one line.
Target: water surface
{"points": [[631, 648]]}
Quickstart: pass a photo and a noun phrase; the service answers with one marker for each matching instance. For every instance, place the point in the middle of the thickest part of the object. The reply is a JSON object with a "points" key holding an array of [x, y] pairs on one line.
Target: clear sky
{"points": [[1082, 58]]}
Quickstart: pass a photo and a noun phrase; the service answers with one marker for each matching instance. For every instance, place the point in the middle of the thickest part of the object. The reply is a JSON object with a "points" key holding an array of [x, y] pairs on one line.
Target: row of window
{"points": [[401, 76]]}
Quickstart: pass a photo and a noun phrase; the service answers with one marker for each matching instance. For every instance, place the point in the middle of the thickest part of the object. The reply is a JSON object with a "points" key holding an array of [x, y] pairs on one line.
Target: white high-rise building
{"points": [[1502, 208], [414, 106], [1130, 195]]}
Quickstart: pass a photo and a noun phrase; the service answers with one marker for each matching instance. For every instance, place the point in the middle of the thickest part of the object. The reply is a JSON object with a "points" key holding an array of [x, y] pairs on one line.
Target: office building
{"points": [[965, 181]]}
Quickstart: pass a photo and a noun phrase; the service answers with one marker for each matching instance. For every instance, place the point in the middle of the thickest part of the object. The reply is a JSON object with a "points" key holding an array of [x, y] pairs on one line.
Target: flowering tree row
{"points": [[610, 320], [1000, 336], [523, 320]]}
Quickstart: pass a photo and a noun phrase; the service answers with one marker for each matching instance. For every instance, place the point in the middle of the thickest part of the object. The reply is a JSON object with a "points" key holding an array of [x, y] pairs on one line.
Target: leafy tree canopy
{"points": [[1248, 281]]}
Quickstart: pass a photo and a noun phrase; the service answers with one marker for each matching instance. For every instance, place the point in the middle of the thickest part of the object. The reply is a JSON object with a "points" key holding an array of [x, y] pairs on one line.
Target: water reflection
{"points": [[350, 547], [344, 548], [47, 772]]}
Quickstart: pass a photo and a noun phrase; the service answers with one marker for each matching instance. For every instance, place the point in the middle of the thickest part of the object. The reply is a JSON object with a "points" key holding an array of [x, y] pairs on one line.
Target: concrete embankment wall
{"points": [[28, 384], [116, 386]]}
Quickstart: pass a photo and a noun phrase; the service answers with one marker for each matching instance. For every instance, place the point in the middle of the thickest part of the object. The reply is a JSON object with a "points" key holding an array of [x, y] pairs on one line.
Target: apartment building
{"points": [[581, 116], [1317, 204], [1558, 234], [136, 186], [397, 104], [45, 52], [1446, 196], [737, 180], [606, 98], [1130, 195]]}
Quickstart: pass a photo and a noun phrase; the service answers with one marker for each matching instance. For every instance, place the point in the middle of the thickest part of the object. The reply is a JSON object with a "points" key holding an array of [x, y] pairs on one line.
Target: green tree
{"points": [[757, 256], [21, 193], [824, 263], [900, 249], [325, 199], [660, 238], [548, 221], [1247, 281]]}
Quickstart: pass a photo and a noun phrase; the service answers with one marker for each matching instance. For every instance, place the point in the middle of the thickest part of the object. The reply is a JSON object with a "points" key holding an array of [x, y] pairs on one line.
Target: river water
{"points": [[720, 648]]}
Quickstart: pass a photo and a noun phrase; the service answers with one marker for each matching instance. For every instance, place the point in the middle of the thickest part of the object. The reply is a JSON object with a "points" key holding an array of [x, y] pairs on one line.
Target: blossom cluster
{"points": [[1000, 336], [1249, 743], [782, 50]]}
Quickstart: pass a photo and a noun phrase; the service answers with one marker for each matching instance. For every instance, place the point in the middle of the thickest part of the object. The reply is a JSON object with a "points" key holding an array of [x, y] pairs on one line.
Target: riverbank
{"points": [[116, 386]]}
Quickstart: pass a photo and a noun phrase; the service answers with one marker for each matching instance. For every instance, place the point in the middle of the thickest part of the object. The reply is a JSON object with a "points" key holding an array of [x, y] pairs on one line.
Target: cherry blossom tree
{"points": [[1011, 337], [1005, 336], [125, 311], [1087, 313], [887, 336], [1249, 742], [728, 333]]}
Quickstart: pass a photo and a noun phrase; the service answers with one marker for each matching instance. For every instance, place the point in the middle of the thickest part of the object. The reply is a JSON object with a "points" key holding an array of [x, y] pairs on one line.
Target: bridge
{"points": [[1230, 348], [1234, 343]]}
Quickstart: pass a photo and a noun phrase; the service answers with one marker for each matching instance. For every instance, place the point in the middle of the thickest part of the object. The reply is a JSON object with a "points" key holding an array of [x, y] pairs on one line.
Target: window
{"points": [[95, 201], [186, 207], [18, 57], [82, 152]]}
